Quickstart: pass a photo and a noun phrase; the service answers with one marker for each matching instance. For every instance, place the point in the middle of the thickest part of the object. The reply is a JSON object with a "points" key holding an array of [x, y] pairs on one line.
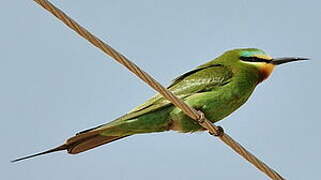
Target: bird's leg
{"points": [[204, 122], [220, 132], [202, 118]]}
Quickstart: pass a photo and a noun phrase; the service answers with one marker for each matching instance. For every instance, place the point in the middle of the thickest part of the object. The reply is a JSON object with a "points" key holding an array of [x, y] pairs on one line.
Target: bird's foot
{"points": [[219, 130], [201, 119], [219, 133]]}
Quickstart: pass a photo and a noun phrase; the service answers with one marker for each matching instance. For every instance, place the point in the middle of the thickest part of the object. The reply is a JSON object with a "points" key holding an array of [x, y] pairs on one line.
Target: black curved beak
{"points": [[278, 61]]}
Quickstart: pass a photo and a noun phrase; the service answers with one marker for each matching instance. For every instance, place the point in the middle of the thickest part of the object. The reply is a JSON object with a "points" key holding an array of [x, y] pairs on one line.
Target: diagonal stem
{"points": [[191, 112]]}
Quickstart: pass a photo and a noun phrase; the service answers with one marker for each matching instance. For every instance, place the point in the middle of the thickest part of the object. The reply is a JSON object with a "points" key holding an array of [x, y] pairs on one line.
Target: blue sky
{"points": [[54, 84]]}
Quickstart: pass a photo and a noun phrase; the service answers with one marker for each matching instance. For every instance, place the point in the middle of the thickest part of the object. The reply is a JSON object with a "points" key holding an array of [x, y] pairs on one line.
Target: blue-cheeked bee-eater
{"points": [[216, 88]]}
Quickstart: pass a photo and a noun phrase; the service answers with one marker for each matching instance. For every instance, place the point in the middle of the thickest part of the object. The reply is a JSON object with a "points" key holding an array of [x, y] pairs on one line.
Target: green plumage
{"points": [[217, 88]]}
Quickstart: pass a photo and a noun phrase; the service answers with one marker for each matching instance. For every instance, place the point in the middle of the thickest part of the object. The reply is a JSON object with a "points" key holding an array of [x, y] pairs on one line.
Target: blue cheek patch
{"points": [[252, 53]]}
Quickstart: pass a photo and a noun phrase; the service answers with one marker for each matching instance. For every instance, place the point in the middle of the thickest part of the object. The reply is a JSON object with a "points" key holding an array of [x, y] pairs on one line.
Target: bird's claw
{"points": [[201, 119], [219, 133], [219, 130]]}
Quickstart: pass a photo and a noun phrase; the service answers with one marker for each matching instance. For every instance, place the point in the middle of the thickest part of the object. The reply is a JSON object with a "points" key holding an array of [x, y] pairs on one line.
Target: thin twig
{"points": [[191, 112]]}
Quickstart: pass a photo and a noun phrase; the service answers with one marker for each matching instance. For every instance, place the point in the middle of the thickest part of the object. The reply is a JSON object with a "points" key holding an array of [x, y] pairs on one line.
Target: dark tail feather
{"points": [[79, 143], [59, 148], [92, 142]]}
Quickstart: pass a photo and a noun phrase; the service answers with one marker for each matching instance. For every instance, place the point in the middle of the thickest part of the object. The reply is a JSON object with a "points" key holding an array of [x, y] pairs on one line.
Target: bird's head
{"points": [[254, 58]]}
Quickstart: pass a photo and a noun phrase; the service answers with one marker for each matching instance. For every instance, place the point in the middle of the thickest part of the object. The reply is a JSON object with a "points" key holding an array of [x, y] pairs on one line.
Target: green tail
{"points": [[112, 131]]}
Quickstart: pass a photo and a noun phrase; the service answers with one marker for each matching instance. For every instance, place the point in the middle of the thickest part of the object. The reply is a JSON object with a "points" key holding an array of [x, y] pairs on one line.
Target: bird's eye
{"points": [[253, 59]]}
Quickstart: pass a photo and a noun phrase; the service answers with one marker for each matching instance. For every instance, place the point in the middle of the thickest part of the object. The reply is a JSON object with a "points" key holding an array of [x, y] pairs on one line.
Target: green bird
{"points": [[217, 88]]}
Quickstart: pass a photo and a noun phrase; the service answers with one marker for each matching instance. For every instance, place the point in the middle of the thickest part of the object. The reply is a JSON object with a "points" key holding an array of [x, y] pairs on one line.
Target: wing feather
{"points": [[198, 80]]}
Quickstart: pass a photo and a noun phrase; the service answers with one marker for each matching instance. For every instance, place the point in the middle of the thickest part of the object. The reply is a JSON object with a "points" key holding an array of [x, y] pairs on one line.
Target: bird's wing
{"points": [[201, 79]]}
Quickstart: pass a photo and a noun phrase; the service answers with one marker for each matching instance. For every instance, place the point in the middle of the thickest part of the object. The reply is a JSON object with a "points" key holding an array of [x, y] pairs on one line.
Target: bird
{"points": [[216, 88]]}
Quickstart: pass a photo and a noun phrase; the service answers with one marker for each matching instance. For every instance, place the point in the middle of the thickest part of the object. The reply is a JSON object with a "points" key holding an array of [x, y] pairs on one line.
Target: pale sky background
{"points": [[54, 84]]}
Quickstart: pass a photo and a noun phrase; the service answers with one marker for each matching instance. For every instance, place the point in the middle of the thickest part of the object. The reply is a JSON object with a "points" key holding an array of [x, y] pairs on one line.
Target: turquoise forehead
{"points": [[250, 53]]}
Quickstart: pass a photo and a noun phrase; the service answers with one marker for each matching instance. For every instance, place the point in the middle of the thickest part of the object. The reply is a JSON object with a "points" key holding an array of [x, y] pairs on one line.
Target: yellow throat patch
{"points": [[265, 68]]}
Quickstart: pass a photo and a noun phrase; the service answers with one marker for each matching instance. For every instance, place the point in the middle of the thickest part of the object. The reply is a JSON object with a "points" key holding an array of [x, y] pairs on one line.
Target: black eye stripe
{"points": [[254, 59]]}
